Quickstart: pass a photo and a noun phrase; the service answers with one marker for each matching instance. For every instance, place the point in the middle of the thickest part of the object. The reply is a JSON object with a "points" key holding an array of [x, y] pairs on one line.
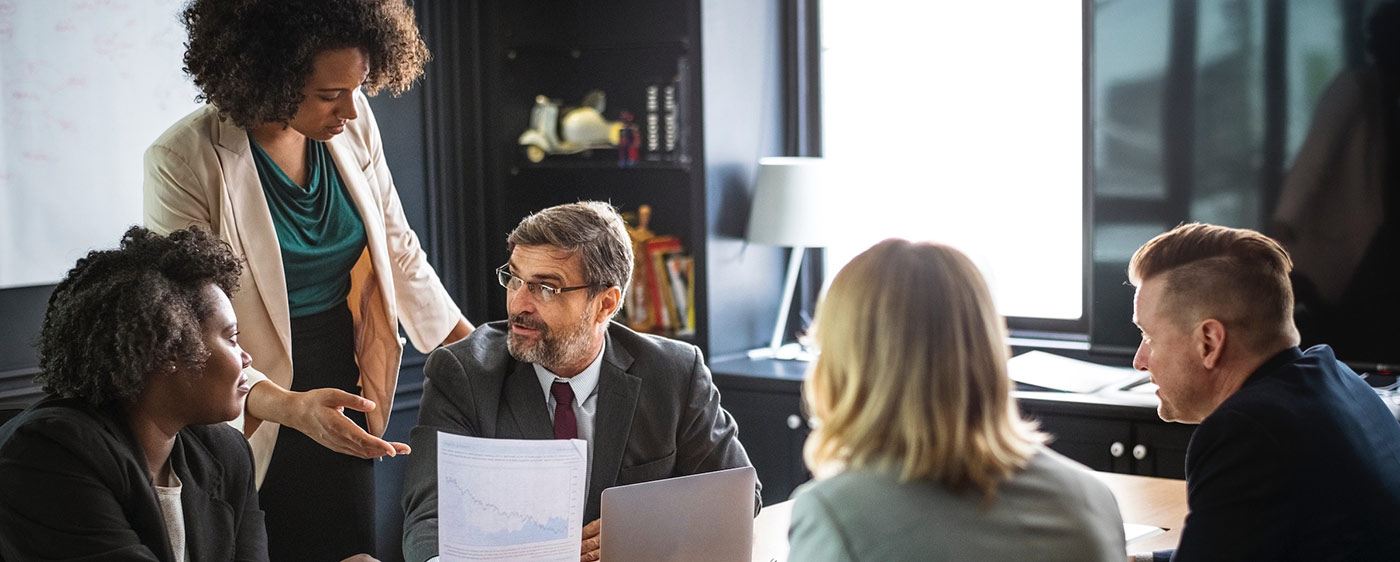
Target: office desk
{"points": [[1145, 500]]}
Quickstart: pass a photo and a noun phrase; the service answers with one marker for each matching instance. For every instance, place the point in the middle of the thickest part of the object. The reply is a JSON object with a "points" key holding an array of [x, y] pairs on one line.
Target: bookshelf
{"points": [[729, 101], [564, 50]]}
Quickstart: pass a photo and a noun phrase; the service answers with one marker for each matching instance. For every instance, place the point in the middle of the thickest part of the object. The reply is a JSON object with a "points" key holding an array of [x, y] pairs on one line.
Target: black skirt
{"points": [[319, 504]]}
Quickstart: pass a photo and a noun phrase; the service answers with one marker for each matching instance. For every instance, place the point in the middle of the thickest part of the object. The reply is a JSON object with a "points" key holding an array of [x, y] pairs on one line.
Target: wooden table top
{"points": [[1146, 500]]}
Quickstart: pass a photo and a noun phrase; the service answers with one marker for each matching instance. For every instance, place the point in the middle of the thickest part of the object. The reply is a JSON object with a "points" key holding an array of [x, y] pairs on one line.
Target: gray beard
{"points": [[552, 350]]}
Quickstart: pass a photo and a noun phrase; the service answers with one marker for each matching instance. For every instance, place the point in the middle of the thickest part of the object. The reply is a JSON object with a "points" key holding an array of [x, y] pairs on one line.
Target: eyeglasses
{"points": [[542, 291]]}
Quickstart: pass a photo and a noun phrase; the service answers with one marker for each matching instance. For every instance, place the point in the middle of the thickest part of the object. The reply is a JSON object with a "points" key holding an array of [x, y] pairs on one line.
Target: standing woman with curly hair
{"points": [[128, 457], [286, 164]]}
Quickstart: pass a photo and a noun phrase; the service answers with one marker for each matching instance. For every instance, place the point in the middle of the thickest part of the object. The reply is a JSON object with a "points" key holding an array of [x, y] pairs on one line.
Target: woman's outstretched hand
{"points": [[321, 416]]}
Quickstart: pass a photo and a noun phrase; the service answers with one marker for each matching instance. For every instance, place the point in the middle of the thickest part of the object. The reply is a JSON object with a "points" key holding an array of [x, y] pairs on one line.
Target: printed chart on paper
{"points": [[506, 499]]}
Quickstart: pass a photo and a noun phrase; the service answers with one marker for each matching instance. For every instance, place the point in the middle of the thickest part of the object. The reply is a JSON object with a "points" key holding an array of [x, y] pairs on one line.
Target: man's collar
{"points": [[583, 384], [1274, 363]]}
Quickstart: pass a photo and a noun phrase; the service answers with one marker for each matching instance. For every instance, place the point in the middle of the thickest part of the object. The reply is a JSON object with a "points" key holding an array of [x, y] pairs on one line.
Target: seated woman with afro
{"points": [[128, 457]]}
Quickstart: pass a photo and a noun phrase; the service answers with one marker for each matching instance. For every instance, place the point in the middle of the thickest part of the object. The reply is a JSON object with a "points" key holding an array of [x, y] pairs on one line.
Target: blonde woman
{"points": [[919, 448]]}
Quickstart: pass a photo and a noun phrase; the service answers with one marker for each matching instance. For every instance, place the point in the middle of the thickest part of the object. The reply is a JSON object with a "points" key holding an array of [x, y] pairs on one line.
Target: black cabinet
{"points": [[772, 429], [1110, 437], [1164, 449], [765, 398], [1096, 442]]}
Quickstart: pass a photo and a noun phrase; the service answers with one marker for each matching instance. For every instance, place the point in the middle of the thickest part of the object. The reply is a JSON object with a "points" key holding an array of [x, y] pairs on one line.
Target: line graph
{"points": [[510, 500], [491, 524]]}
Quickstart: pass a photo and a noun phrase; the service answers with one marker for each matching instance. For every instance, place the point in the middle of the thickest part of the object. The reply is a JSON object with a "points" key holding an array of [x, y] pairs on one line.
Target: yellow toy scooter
{"points": [[582, 128]]}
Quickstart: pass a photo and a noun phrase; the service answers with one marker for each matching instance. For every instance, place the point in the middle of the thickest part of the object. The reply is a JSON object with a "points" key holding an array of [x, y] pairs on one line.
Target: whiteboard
{"points": [[85, 87]]}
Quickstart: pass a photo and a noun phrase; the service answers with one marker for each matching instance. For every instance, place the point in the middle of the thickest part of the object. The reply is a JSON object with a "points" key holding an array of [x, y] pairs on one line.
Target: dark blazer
{"points": [[1302, 463], [74, 486], [658, 416]]}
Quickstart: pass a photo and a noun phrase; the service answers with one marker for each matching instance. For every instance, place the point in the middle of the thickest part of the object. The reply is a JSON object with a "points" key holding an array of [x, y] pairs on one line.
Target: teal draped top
{"points": [[318, 228]]}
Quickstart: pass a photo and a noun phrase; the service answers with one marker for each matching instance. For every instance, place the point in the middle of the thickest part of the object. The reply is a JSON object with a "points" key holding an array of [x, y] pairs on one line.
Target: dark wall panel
{"points": [[21, 316], [742, 76], [401, 128]]}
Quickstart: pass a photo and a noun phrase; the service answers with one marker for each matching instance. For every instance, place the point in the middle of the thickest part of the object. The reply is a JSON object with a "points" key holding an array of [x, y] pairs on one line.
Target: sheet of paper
{"points": [[1134, 531], [510, 499], [1054, 372]]}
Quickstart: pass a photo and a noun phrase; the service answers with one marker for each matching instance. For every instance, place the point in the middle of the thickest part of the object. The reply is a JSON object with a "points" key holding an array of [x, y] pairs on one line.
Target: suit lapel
{"points": [[527, 404], [617, 401], [207, 518], [145, 515], [252, 220]]}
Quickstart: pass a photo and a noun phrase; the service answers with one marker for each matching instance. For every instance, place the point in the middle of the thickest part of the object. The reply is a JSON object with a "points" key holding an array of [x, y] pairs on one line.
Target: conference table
{"points": [[1143, 500]]}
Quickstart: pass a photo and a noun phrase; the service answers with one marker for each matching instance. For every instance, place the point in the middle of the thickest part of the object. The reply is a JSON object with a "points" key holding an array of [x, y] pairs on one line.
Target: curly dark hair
{"points": [[251, 58], [121, 315]]}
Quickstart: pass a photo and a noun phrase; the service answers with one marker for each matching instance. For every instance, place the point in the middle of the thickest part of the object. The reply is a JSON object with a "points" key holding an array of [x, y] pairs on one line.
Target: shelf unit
{"points": [[564, 50]]}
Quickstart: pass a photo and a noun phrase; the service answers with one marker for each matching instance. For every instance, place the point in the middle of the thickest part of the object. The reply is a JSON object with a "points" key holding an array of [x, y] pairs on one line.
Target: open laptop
{"points": [[699, 518]]}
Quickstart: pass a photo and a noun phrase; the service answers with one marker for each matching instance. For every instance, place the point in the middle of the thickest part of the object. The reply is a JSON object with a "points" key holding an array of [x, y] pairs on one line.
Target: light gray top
{"points": [[168, 497], [1053, 510]]}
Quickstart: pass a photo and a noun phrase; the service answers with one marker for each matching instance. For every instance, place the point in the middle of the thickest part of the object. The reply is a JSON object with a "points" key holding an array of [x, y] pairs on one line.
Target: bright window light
{"points": [[961, 122]]}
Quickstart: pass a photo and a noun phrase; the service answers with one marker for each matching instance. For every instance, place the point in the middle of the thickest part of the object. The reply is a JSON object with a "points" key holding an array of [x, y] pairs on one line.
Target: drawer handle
{"points": [[794, 421], [1116, 449], [1139, 452]]}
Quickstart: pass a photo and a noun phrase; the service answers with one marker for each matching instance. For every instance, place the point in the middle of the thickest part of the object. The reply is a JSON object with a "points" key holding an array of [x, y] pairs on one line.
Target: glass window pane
{"points": [[962, 123]]}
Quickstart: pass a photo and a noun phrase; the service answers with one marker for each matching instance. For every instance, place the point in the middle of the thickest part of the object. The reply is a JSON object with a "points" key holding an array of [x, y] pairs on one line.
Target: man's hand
{"points": [[592, 541], [321, 416]]}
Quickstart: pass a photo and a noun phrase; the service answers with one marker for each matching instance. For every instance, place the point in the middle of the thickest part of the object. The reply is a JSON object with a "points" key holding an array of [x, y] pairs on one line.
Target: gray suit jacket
{"points": [[658, 416]]}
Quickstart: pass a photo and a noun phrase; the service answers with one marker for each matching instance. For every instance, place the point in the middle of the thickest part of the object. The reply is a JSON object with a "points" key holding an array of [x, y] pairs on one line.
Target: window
{"points": [[963, 123]]}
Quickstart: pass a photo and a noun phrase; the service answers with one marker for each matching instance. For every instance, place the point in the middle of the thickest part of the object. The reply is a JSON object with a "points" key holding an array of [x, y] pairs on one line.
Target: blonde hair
{"points": [[912, 372], [1235, 275]]}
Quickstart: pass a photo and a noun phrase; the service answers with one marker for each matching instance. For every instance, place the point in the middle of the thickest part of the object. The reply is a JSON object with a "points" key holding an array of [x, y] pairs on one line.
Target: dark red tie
{"points": [[565, 425]]}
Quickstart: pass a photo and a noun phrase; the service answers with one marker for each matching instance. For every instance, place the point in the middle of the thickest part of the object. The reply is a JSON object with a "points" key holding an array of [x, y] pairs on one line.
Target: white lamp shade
{"points": [[795, 203]]}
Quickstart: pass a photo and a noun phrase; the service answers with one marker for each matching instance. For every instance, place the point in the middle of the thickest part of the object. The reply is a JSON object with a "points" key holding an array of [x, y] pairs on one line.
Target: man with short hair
{"points": [[560, 368], [1296, 458]]}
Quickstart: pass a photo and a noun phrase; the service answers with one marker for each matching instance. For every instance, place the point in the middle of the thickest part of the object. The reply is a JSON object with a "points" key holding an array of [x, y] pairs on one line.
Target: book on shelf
{"points": [[690, 294], [662, 274], [635, 309], [679, 268], [662, 300], [663, 291]]}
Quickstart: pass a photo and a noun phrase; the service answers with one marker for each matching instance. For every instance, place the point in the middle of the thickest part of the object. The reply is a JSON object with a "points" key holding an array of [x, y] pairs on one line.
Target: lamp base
{"points": [[787, 352]]}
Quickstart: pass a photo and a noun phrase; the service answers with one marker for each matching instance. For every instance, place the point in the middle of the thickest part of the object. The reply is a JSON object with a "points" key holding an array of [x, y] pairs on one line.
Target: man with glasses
{"points": [[559, 368]]}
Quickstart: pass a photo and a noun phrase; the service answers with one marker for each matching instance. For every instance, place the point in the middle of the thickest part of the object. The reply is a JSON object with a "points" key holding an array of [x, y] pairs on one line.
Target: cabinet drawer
{"points": [[1164, 448], [772, 429], [1098, 443]]}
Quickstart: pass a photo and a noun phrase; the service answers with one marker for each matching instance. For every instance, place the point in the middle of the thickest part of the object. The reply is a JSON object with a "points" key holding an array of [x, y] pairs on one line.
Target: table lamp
{"points": [[795, 204]]}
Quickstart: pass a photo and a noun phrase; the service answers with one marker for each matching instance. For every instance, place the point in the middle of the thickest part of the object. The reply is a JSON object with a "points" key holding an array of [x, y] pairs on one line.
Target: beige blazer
{"points": [[201, 172]]}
